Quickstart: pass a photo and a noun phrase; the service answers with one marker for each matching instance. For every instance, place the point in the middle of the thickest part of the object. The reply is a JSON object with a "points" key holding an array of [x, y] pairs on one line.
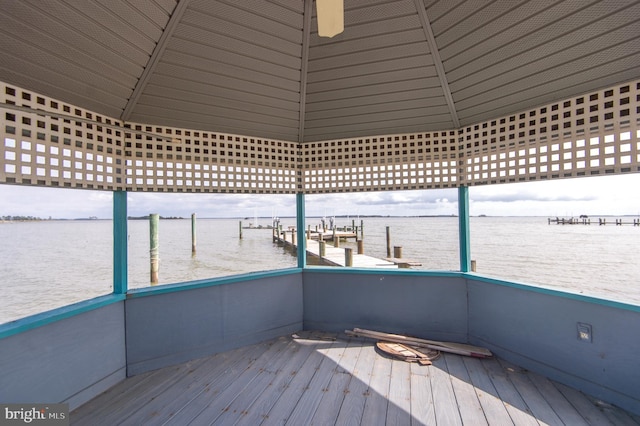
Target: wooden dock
{"points": [[315, 380], [587, 221], [333, 256]]}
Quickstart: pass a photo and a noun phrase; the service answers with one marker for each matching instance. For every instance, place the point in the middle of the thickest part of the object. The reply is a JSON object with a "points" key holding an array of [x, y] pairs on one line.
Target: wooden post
{"points": [[321, 248], [360, 246], [308, 232], [397, 252], [362, 229], [240, 229], [353, 225], [193, 233], [388, 242], [336, 239], [154, 248], [348, 256], [473, 266], [293, 237]]}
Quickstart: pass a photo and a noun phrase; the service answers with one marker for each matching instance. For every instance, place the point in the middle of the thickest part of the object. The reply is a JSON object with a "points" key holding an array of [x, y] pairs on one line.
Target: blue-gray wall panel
{"points": [[539, 331], [424, 306], [164, 329], [71, 360]]}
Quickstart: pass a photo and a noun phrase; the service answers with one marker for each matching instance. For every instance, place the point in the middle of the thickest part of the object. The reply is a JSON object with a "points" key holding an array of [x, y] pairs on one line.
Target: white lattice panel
{"points": [[81, 151], [408, 161], [593, 134], [67, 146]]}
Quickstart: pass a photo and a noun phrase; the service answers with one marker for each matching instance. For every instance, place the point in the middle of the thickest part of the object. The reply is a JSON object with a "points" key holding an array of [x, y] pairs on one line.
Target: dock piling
{"points": [[193, 234], [348, 256], [360, 246], [388, 242], [397, 252], [240, 229], [154, 248]]}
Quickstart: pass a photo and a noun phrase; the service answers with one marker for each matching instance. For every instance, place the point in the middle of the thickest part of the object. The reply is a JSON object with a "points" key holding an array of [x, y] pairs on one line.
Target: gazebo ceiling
{"points": [[258, 67]]}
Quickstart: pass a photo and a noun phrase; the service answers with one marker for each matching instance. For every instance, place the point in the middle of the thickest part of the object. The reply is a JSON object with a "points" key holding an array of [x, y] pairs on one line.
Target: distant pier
{"points": [[587, 221], [334, 255]]}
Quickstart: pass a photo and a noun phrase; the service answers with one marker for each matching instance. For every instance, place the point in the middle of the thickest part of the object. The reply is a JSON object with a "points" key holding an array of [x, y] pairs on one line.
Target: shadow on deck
{"points": [[345, 381]]}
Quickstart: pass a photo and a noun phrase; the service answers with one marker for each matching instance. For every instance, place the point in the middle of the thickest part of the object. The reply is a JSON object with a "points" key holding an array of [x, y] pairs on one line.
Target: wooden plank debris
{"points": [[451, 347]]}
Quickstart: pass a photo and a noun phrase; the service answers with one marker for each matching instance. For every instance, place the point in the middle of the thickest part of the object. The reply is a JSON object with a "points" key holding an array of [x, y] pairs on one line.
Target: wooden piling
{"points": [[397, 252], [388, 242], [308, 232], [293, 237], [193, 233], [360, 246], [154, 249], [473, 266], [336, 238], [348, 256], [240, 229], [322, 248]]}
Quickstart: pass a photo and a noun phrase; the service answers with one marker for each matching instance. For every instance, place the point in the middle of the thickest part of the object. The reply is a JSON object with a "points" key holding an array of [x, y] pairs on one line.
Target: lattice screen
{"points": [[594, 134], [72, 147]]}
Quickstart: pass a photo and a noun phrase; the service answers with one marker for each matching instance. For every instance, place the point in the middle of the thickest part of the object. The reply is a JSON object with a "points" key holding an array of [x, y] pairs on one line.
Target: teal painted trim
{"points": [[34, 321], [382, 271], [301, 231], [463, 229], [120, 235], [553, 292], [192, 285]]}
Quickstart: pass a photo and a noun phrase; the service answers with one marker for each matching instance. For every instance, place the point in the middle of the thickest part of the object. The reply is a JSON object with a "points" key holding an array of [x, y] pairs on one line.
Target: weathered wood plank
{"points": [[355, 398], [444, 399], [209, 409], [557, 401], [333, 398], [131, 399], [319, 384], [466, 397], [422, 407], [290, 393], [296, 365], [399, 406], [305, 381], [493, 408], [616, 415], [210, 393], [583, 405], [240, 405], [183, 390], [518, 410], [539, 406], [375, 406]]}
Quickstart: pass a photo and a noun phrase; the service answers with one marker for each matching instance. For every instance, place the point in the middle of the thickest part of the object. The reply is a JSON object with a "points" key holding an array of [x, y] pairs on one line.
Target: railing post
{"points": [[120, 234], [300, 229], [463, 229]]}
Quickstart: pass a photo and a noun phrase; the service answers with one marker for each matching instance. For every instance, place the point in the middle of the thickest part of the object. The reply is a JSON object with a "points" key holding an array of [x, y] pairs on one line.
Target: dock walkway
{"points": [[334, 256], [312, 380]]}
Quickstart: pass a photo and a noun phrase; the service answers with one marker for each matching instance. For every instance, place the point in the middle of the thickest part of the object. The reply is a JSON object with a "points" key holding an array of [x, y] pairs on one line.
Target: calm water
{"points": [[54, 263]]}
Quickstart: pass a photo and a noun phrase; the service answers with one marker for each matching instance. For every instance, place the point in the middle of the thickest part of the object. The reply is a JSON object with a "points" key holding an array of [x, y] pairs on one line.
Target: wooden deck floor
{"points": [[310, 380]]}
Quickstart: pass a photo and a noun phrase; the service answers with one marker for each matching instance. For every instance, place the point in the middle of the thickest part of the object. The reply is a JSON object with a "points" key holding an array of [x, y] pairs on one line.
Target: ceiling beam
{"points": [[155, 58], [306, 35], [437, 61]]}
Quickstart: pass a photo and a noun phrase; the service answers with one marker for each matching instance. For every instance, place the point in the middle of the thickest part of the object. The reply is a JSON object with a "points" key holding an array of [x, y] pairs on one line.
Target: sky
{"points": [[593, 196]]}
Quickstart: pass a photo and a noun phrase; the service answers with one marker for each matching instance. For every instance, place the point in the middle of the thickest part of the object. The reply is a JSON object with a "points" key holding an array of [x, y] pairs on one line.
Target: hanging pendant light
{"points": [[330, 15]]}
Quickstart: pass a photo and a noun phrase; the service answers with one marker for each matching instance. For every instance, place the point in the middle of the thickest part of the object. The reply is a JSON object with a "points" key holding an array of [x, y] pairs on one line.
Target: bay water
{"points": [[48, 264]]}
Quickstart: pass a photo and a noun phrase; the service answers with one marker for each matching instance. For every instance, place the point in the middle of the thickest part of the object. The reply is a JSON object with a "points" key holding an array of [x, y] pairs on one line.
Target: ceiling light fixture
{"points": [[330, 15]]}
